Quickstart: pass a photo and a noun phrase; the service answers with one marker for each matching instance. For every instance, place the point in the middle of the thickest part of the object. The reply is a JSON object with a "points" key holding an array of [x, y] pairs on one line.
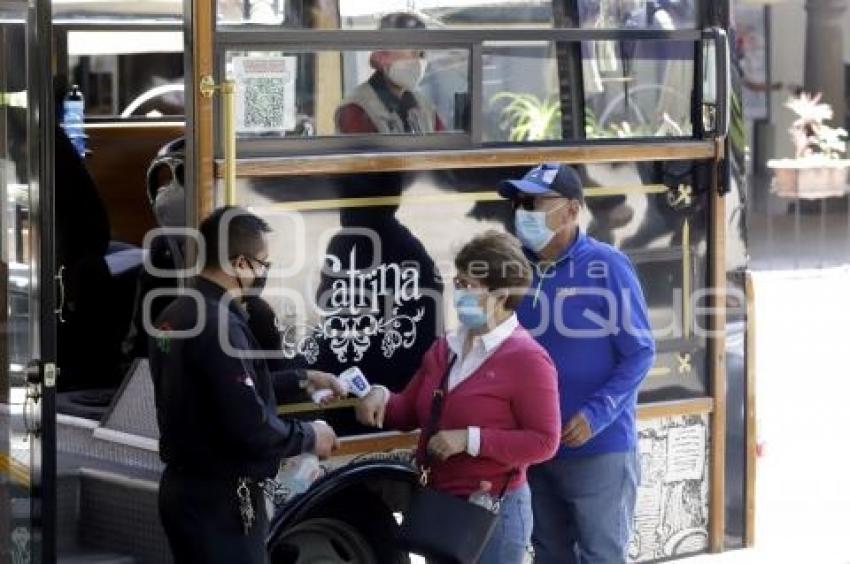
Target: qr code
{"points": [[264, 103]]}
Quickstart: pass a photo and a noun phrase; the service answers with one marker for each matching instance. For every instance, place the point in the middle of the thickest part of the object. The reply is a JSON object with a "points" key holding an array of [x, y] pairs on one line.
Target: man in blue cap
{"points": [[587, 309]]}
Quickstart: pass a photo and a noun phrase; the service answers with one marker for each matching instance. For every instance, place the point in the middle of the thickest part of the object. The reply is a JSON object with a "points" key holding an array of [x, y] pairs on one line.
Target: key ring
{"points": [[242, 489]]}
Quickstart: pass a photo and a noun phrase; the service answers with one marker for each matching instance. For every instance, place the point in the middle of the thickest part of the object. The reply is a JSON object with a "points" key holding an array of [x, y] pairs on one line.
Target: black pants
{"points": [[202, 521]]}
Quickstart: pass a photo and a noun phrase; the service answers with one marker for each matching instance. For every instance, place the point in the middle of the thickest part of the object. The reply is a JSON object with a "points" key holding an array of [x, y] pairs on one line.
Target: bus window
{"points": [[636, 89], [644, 92], [356, 14], [362, 262], [638, 14], [328, 93], [127, 74]]}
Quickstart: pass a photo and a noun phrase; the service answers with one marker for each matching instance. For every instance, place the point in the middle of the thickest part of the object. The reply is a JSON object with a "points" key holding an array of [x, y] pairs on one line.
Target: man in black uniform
{"points": [[217, 411]]}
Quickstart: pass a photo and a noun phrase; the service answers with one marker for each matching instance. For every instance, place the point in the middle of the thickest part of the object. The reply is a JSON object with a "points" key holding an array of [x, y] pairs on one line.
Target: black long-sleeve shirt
{"points": [[217, 409]]}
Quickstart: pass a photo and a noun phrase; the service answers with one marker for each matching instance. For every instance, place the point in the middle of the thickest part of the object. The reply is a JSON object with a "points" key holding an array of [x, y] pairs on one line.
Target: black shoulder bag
{"points": [[438, 524]]}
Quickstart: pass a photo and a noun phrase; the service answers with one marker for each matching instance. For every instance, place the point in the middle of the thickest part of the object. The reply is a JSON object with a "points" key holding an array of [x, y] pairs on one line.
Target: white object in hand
{"points": [[355, 382], [320, 395]]}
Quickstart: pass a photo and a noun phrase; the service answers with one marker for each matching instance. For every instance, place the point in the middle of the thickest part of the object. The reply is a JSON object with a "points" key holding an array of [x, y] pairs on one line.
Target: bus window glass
{"points": [[356, 14], [631, 89], [520, 92], [638, 14], [364, 262], [66, 12], [638, 88], [327, 93], [127, 74]]}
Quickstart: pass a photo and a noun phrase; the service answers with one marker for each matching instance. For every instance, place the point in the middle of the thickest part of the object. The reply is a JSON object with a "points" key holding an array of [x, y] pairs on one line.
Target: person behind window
{"points": [[389, 102], [409, 298]]}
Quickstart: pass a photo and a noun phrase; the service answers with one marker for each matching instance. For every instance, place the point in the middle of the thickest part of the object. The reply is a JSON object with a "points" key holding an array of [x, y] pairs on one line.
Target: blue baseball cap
{"points": [[546, 178]]}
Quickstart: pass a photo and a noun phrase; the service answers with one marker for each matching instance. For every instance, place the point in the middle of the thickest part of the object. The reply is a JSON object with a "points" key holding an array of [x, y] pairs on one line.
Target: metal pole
{"points": [[797, 250], [823, 260], [228, 129], [825, 53]]}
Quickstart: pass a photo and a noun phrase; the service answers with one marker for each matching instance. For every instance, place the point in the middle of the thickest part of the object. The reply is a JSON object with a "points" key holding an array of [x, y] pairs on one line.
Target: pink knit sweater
{"points": [[512, 397]]}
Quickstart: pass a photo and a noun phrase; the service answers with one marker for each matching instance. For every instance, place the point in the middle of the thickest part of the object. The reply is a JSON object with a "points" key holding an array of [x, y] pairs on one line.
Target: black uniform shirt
{"points": [[217, 412]]}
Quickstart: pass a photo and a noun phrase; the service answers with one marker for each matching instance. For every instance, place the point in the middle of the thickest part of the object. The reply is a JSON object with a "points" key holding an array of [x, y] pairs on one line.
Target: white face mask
{"points": [[407, 73]]}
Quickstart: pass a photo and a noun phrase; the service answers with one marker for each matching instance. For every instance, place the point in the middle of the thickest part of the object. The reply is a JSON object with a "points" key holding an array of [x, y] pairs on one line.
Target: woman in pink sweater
{"points": [[501, 411]]}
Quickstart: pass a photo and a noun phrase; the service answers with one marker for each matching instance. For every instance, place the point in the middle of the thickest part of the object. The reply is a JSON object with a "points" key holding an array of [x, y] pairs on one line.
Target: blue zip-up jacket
{"points": [[588, 311]]}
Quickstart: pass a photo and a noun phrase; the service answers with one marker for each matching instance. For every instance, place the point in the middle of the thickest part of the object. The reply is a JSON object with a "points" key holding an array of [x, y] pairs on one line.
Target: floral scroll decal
{"points": [[349, 337]]}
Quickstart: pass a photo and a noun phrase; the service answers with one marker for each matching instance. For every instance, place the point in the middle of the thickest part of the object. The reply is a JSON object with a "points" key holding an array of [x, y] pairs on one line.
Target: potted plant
{"points": [[819, 169], [529, 118]]}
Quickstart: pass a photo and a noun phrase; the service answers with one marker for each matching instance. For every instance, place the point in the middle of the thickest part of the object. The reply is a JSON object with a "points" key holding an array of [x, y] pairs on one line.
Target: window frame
{"points": [[255, 37], [61, 29]]}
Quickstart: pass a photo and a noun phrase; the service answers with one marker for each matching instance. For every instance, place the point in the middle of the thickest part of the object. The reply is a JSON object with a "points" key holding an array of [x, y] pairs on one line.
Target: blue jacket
{"points": [[588, 311]]}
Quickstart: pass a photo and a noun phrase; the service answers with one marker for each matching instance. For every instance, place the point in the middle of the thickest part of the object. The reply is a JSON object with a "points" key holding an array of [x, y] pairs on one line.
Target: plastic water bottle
{"points": [[73, 119], [300, 472], [483, 497]]}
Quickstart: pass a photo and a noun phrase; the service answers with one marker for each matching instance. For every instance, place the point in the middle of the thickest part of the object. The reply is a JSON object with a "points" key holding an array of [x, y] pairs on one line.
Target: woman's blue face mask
{"points": [[469, 311]]}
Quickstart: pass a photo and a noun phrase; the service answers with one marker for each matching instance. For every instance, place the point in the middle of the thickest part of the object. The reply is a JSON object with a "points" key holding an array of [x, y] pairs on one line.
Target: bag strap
{"points": [[437, 402], [438, 397], [511, 475]]}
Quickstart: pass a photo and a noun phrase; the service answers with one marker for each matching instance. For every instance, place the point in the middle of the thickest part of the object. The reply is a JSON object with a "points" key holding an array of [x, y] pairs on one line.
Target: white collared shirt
{"points": [[483, 347]]}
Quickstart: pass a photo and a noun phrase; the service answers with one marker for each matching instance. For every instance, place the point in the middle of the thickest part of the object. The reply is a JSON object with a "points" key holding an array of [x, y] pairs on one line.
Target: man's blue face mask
{"points": [[532, 229]]}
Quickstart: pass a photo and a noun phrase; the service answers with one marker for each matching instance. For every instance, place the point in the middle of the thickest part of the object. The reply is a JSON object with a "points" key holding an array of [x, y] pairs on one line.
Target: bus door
{"points": [[27, 318], [289, 118]]}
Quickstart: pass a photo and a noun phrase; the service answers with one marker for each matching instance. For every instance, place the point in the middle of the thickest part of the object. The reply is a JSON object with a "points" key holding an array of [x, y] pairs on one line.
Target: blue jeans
{"points": [[583, 508], [510, 541]]}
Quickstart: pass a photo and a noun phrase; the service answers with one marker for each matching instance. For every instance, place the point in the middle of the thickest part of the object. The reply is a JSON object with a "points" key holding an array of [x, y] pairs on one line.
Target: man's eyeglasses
{"points": [[252, 260], [266, 264], [530, 204]]}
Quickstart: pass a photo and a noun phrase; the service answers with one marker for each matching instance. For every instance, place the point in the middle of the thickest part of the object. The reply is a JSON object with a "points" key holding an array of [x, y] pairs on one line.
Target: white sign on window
{"points": [[265, 94]]}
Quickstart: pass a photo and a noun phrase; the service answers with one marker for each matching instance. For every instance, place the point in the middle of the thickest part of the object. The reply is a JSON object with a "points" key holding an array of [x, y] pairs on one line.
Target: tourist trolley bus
{"points": [[213, 102]]}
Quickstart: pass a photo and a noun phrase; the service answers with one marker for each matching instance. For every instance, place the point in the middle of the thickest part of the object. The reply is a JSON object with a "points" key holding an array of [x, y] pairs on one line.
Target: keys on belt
{"points": [[246, 506]]}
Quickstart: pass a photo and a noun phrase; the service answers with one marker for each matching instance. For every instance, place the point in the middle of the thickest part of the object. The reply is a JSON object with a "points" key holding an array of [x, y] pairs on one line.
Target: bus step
{"points": [[120, 514], [95, 558]]}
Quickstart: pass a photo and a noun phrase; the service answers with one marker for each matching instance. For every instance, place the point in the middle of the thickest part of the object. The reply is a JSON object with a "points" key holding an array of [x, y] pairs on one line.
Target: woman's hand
{"points": [[446, 444], [371, 409]]}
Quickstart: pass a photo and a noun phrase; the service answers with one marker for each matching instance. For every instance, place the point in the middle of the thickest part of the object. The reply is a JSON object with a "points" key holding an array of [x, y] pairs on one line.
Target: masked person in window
{"points": [[500, 411], [587, 310], [216, 403], [389, 101], [381, 288]]}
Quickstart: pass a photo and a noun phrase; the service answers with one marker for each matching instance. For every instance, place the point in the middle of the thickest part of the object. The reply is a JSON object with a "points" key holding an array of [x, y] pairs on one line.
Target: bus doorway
{"points": [[27, 322]]}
